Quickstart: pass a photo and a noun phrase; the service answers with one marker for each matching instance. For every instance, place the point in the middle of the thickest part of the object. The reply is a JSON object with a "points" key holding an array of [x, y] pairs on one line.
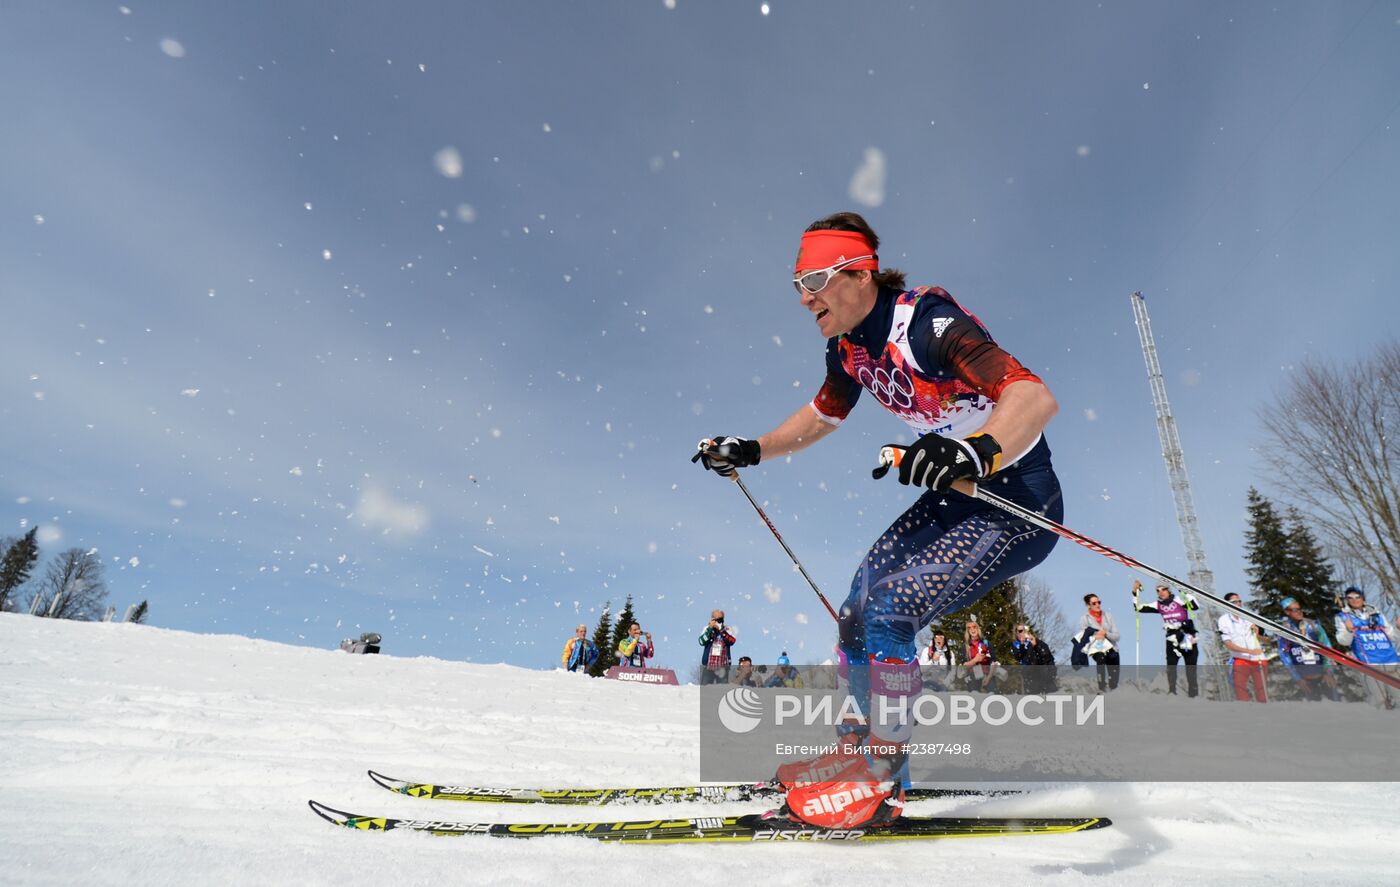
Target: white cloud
{"points": [[868, 183], [378, 509]]}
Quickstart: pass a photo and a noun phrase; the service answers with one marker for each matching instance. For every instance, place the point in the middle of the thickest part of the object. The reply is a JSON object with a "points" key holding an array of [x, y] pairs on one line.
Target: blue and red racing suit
{"points": [[932, 364]]}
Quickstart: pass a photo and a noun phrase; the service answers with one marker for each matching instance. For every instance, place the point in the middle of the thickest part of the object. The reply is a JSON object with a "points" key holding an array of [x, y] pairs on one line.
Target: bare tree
{"points": [[1039, 610], [1329, 449], [72, 587]]}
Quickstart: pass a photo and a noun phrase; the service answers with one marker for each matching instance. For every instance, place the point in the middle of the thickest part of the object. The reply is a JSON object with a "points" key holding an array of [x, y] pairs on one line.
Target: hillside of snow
{"points": [[137, 755]]}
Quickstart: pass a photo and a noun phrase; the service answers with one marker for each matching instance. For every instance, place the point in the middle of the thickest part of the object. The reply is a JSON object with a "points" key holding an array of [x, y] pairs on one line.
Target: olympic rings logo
{"points": [[893, 389]]}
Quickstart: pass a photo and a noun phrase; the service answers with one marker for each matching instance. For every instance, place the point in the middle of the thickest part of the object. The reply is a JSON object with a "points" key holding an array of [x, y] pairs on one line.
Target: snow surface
{"points": [[137, 755]]}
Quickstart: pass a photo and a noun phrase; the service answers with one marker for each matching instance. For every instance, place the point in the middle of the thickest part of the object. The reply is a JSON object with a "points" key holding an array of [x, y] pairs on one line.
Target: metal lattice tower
{"points": [[1199, 574]]}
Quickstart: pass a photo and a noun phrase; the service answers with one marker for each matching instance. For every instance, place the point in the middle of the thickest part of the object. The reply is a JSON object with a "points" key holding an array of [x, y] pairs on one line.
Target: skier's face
{"points": [[1163, 593], [840, 306]]}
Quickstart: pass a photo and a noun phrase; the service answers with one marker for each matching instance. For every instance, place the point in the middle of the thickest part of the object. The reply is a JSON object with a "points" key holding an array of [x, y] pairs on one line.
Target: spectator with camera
{"points": [[1037, 662], [1312, 673], [715, 642], [980, 664], [634, 650], [1372, 640], [579, 651], [744, 674]]}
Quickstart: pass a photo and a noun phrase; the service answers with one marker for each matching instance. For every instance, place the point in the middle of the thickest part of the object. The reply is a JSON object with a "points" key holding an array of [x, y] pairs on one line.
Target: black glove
{"points": [[935, 462], [724, 454]]}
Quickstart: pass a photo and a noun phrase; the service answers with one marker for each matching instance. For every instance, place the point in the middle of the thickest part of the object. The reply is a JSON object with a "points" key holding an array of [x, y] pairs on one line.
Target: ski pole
{"points": [[705, 446], [890, 456], [1137, 636]]}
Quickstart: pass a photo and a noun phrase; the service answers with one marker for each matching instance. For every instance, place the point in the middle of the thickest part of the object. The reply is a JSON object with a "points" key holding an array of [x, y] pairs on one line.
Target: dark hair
{"points": [[1089, 595], [849, 221]]}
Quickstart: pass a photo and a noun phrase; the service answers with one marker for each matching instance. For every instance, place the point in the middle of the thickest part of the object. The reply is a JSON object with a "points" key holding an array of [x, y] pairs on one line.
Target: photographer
{"points": [[981, 665], [634, 650], [715, 642], [1312, 673]]}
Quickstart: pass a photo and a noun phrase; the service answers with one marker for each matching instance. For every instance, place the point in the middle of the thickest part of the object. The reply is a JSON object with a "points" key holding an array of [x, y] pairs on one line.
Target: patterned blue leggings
{"points": [[943, 554]]}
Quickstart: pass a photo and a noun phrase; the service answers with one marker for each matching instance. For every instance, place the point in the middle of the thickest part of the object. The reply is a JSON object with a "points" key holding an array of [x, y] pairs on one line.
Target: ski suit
{"points": [[932, 364]]}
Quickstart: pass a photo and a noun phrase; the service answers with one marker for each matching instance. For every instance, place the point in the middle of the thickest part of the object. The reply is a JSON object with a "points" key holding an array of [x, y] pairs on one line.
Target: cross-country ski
{"points": [[593, 797], [750, 828]]}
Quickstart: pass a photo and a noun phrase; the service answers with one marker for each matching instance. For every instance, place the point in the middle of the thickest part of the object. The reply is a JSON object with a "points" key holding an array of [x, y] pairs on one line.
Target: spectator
{"points": [[1037, 661], [1312, 672], [715, 642], [743, 675], [981, 663], [785, 675], [1097, 639], [579, 651], [939, 665], [632, 651], [1249, 665], [1372, 641], [1181, 632]]}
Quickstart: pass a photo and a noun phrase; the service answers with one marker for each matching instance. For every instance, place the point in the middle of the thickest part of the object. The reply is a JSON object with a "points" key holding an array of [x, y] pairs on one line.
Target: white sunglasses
{"points": [[816, 281]]}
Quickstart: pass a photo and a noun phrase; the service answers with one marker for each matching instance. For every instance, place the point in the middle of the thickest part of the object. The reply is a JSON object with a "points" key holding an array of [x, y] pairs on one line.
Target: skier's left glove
{"points": [[724, 454], [936, 462]]}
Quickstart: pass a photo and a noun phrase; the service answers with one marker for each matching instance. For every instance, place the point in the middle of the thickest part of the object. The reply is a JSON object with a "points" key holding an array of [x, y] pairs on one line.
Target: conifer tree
{"points": [[607, 656], [17, 564], [1270, 570], [1313, 582], [137, 614]]}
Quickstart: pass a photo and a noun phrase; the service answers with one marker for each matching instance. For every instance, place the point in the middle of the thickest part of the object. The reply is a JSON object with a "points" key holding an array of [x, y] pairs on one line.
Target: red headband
{"points": [[822, 249]]}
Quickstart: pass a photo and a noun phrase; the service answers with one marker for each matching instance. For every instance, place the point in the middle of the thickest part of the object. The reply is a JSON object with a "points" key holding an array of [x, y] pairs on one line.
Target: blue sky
{"points": [[409, 318]]}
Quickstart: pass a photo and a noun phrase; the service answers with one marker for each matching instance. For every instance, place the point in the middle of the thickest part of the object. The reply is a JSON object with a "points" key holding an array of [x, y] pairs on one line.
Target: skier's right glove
{"points": [[724, 454]]}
